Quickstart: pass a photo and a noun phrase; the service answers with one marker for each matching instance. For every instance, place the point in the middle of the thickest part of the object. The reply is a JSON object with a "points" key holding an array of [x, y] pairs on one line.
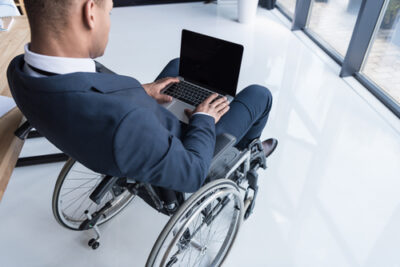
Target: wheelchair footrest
{"points": [[257, 154], [252, 178]]}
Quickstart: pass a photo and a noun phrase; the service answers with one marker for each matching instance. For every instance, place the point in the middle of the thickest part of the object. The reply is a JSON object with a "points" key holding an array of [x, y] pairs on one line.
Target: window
{"points": [[333, 21], [288, 6], [382, 65]]}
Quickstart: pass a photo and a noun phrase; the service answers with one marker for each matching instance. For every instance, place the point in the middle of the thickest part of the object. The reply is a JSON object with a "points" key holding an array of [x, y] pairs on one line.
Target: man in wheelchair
{"points": [[115, 126]]}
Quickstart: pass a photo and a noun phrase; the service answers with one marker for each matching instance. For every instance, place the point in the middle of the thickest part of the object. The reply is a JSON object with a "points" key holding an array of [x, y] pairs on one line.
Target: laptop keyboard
{"points": [[188, 93]]}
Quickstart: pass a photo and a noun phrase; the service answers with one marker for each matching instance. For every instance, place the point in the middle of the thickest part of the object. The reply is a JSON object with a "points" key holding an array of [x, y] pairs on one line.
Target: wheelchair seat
{"points": [[224, 155], [83, 200]]}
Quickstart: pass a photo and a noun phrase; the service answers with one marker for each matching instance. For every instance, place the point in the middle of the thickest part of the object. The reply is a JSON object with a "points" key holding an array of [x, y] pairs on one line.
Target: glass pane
{"points": [[288, 5], [334, 21], [383, 63]]}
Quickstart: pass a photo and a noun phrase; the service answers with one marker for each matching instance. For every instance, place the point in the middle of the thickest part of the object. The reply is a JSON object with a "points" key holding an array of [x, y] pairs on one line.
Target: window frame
{"points": [[367, 24], [285, 12]]}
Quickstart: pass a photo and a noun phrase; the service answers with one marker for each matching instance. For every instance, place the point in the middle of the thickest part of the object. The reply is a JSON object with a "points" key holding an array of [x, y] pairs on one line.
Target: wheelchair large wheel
{"points": [[71, 194], [203, 229]]}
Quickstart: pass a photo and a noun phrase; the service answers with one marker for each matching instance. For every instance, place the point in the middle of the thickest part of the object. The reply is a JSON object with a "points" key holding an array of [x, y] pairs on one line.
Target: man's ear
{"points": [[88, 14]]}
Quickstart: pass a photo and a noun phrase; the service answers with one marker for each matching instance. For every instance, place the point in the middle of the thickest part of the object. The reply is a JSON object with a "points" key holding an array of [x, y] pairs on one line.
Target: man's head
{"points": [[84, 24]]}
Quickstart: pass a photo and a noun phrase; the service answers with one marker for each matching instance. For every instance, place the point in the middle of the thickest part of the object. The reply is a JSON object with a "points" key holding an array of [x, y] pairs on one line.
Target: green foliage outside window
{"points": [[391, 14]]}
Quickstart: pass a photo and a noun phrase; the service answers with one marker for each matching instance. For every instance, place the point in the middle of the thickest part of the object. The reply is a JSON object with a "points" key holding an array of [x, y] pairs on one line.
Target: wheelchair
{"points": [[202, 225]]}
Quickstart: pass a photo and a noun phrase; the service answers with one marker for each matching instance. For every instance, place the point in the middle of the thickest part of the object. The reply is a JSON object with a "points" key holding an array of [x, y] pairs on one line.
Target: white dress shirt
{"points": [[59, 65]]}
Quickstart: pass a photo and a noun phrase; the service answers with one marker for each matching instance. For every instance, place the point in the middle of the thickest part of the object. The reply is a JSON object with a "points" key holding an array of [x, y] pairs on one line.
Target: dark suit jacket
{"points": [[112, 126]]}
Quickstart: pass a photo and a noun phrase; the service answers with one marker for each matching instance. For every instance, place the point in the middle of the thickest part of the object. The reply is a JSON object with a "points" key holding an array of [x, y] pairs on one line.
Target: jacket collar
{"points": [[71, 82]]}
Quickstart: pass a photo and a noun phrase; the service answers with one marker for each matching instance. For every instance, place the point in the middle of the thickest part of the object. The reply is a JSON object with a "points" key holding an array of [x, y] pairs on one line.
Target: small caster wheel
{"points": [[91, 242], [95, 245]]}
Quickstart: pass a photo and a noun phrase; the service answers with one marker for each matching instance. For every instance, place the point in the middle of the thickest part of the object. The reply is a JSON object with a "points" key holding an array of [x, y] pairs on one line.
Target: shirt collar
{"points": [[58, 65]]}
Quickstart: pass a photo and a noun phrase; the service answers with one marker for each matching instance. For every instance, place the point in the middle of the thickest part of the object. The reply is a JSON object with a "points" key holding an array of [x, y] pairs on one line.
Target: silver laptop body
{"points": [[207, 65]]}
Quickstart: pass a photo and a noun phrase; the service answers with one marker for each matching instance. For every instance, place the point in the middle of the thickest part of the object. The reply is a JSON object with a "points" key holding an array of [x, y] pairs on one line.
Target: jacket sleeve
{"points": [[146, 151]]}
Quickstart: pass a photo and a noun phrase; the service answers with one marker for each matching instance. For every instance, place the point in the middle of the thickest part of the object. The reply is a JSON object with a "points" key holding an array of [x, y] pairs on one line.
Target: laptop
{"points": [[207, 65]]}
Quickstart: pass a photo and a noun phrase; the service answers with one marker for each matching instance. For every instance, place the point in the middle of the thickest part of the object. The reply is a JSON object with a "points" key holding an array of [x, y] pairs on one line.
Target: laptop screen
{"points": [[210, 62]]}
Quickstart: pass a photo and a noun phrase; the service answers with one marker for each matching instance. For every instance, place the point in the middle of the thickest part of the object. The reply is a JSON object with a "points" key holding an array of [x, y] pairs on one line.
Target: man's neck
{"points": [[65, 46]]}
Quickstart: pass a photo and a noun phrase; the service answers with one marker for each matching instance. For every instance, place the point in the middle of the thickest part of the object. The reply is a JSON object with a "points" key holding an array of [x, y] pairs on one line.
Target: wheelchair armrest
{"points": [[225, 155], [223, 142]]}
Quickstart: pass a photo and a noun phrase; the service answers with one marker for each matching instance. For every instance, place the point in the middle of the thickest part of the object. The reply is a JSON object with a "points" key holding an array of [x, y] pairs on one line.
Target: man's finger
{"points": [[161, 86], [221, 106], [223, 111], [188, 112], [168, 80], [210, 98], [164, 98], [163, 79], [217, 102]]}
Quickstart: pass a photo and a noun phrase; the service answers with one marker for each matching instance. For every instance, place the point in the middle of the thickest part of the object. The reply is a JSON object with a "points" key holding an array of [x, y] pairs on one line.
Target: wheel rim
{"points": [[209, 243], [77, 183]]}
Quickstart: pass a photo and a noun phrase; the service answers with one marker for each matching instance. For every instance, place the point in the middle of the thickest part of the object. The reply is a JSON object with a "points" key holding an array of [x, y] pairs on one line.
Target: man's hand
{"points": [[154, 89], [216, 109]]}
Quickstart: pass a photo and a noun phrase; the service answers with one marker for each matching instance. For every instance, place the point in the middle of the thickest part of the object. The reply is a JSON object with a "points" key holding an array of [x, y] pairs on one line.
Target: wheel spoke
{"points": [[71, 198], [197, 260], [210, 216], [80, 205], [81, 178], [80, 187], [86, 193], [80, 197], [75, 188], [89, 173], [84, 201], [190, 255]]}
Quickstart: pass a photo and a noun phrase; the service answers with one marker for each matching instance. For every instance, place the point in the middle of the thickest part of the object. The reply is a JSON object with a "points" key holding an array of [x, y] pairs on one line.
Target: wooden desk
{"points": [[11, 44]]}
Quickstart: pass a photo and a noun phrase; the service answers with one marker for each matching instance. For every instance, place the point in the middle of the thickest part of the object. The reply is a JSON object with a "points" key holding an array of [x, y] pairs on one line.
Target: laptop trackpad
{"points": [[178, 109]]}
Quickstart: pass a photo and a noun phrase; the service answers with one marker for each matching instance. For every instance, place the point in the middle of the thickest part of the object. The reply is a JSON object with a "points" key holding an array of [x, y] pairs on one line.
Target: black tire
{"points": [[96, 245], [178, 227], [73, 223]]}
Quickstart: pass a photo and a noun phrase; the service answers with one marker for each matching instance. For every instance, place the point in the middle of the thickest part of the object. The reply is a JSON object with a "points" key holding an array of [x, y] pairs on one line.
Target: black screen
{"points": [[210, 62]]}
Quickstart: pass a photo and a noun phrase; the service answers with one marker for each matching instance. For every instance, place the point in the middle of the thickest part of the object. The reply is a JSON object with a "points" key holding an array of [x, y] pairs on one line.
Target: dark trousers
{"points": [[248, 113], [246, 119]]}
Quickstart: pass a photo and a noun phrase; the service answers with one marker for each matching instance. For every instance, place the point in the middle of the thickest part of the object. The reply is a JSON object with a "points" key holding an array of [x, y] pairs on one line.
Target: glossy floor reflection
{"points": [[330, 195]]}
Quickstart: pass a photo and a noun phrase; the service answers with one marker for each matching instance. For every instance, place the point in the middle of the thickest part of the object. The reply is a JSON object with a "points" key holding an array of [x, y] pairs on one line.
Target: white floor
{"points": [[329, 198]]}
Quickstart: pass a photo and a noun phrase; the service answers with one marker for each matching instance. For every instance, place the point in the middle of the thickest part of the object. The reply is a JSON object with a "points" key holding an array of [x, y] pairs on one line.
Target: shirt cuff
{"points": [[201, 113]]}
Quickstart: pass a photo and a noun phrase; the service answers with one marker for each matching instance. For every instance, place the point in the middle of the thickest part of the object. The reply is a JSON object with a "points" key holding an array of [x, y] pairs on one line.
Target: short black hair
{"points": [[50, 14]]}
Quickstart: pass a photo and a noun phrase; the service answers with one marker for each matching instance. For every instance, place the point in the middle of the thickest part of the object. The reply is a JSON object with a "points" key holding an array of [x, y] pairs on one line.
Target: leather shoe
{"points": [[269, 146]]}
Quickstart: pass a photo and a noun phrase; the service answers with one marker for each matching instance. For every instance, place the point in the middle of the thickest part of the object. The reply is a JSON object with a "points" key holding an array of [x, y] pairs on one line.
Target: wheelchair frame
{"points": [[230, 166]]}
